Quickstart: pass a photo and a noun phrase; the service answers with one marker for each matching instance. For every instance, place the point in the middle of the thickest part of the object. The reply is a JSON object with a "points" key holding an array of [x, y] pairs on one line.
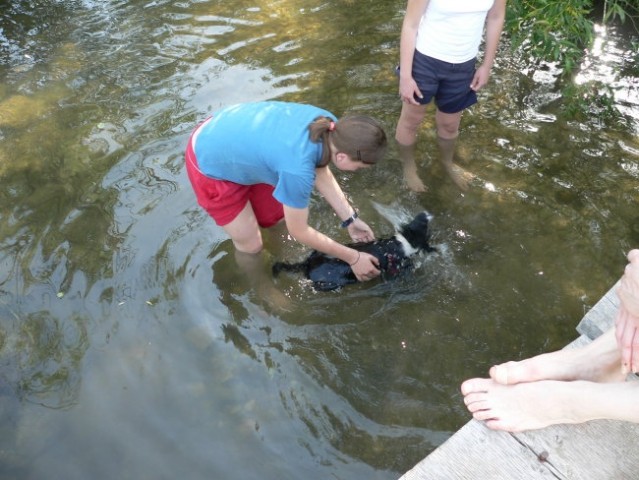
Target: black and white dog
{"points": [[394, 256]]}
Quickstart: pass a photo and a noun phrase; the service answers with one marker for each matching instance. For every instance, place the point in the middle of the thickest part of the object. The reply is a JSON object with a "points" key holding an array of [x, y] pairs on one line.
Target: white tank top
{"points": [[451, 30]]}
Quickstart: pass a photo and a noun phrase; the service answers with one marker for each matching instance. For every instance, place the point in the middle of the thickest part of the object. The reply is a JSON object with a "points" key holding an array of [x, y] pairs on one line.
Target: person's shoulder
{"points": [[278, 108], [304, 111]]}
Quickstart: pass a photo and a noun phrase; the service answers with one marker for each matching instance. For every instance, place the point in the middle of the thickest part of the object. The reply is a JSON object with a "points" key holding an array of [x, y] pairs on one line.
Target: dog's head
{"points": [[417, 233]]}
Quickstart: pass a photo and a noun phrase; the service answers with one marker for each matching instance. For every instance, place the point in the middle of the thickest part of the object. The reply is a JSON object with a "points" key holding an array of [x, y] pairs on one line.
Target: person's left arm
{"points": [[494, 25], [328, 187]]}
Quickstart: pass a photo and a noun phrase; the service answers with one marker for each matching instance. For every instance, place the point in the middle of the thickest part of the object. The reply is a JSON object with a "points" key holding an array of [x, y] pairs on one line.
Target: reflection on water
{"points": [[133, 347], [608, 63]]}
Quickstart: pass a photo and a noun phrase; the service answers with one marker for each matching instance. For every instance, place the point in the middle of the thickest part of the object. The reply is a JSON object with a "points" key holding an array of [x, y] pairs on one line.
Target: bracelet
{"points": [[349, 220], [351, 264]]}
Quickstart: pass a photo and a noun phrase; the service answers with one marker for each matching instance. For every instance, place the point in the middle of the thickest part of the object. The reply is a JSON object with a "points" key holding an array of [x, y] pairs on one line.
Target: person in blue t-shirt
{"points": [[252, 165]]}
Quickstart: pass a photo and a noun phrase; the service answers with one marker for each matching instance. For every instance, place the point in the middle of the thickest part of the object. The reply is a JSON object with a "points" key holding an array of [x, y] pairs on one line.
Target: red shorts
{"points": [[224, 200]]}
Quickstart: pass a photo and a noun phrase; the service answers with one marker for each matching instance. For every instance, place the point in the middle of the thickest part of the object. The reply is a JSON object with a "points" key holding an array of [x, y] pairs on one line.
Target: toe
{"points": [[473, 398], [499, 373], [474, 385], [483, 415]]}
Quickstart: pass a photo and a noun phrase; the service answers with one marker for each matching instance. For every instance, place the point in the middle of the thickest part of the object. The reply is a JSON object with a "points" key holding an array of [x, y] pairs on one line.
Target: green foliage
{"points": [[561, 32], [553, 31], [622, 10]]}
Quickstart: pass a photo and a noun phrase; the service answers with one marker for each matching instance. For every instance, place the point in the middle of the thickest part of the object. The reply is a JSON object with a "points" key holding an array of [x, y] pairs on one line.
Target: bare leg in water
{"points": [[261, 280], [447, 124], [447, 133], [409, 167], [406, 135], [247, 239], [567, 386]]}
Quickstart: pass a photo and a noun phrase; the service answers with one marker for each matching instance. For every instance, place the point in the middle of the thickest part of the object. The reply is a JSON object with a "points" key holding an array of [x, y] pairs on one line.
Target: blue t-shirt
{"points": [[263, 142]]}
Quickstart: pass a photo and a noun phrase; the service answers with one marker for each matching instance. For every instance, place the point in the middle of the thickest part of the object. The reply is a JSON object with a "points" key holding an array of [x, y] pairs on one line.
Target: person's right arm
{"points": [[407, 86], [297, 225]]}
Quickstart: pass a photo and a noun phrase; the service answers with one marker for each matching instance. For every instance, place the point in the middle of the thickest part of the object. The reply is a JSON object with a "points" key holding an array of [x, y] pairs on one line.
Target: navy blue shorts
{"points": [[447, 83]]}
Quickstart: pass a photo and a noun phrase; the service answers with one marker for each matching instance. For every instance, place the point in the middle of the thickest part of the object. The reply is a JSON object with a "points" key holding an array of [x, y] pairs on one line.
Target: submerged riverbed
{"points": [[131, 345]]}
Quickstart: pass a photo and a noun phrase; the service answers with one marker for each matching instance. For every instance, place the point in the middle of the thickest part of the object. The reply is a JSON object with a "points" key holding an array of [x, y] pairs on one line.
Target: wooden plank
{"points": [[476, 452], [601, 316], [597, 450]]}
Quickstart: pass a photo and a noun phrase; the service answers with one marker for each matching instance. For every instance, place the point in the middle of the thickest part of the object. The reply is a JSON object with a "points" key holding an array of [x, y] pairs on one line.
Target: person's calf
{"points": [[409, 167]]}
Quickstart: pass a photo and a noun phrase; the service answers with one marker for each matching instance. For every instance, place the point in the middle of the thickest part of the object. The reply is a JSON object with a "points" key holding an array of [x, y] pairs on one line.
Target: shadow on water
{"points": [[132, 345]]}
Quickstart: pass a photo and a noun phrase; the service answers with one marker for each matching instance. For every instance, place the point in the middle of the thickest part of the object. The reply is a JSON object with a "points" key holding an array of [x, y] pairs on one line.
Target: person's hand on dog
{"points": [[360, 231], [366, 267]]}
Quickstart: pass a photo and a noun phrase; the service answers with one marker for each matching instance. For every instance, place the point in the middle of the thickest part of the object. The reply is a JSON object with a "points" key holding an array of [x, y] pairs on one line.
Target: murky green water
{"points": [[130, 346]]}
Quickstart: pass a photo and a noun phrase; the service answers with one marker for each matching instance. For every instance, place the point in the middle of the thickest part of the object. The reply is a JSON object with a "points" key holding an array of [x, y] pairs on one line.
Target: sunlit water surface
{"points": [[131, 347]]}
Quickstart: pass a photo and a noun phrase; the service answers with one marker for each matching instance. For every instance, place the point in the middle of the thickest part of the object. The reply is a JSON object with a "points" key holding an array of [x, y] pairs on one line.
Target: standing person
{"points": [[254, 164], [572, 385], [438, 50]]}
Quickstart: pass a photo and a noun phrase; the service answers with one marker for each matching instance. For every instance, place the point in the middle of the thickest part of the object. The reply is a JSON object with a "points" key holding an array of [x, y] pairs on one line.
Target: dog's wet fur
{"points": [[394, 255]]}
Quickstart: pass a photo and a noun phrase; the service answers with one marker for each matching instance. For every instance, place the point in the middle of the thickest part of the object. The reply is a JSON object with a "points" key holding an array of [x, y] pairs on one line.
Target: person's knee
{"points": [[405, 131], [252, 247], [409, 121], [447, 133], [447, 124], [447, 129], [406, 134]]}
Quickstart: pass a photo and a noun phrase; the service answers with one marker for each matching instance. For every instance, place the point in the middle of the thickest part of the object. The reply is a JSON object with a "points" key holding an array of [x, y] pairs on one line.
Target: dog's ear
{"points": [[417, 232]]}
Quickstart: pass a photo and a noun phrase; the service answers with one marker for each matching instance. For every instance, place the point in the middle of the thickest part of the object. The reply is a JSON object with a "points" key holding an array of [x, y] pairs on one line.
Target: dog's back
{"points": [[393, 254]]}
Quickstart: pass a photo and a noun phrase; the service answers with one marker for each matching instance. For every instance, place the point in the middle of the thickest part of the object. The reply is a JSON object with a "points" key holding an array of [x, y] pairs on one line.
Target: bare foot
{"points": [[599, 361], [533, 405], [459, 176], [530, 406], [274, 298], [413, 181]]}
